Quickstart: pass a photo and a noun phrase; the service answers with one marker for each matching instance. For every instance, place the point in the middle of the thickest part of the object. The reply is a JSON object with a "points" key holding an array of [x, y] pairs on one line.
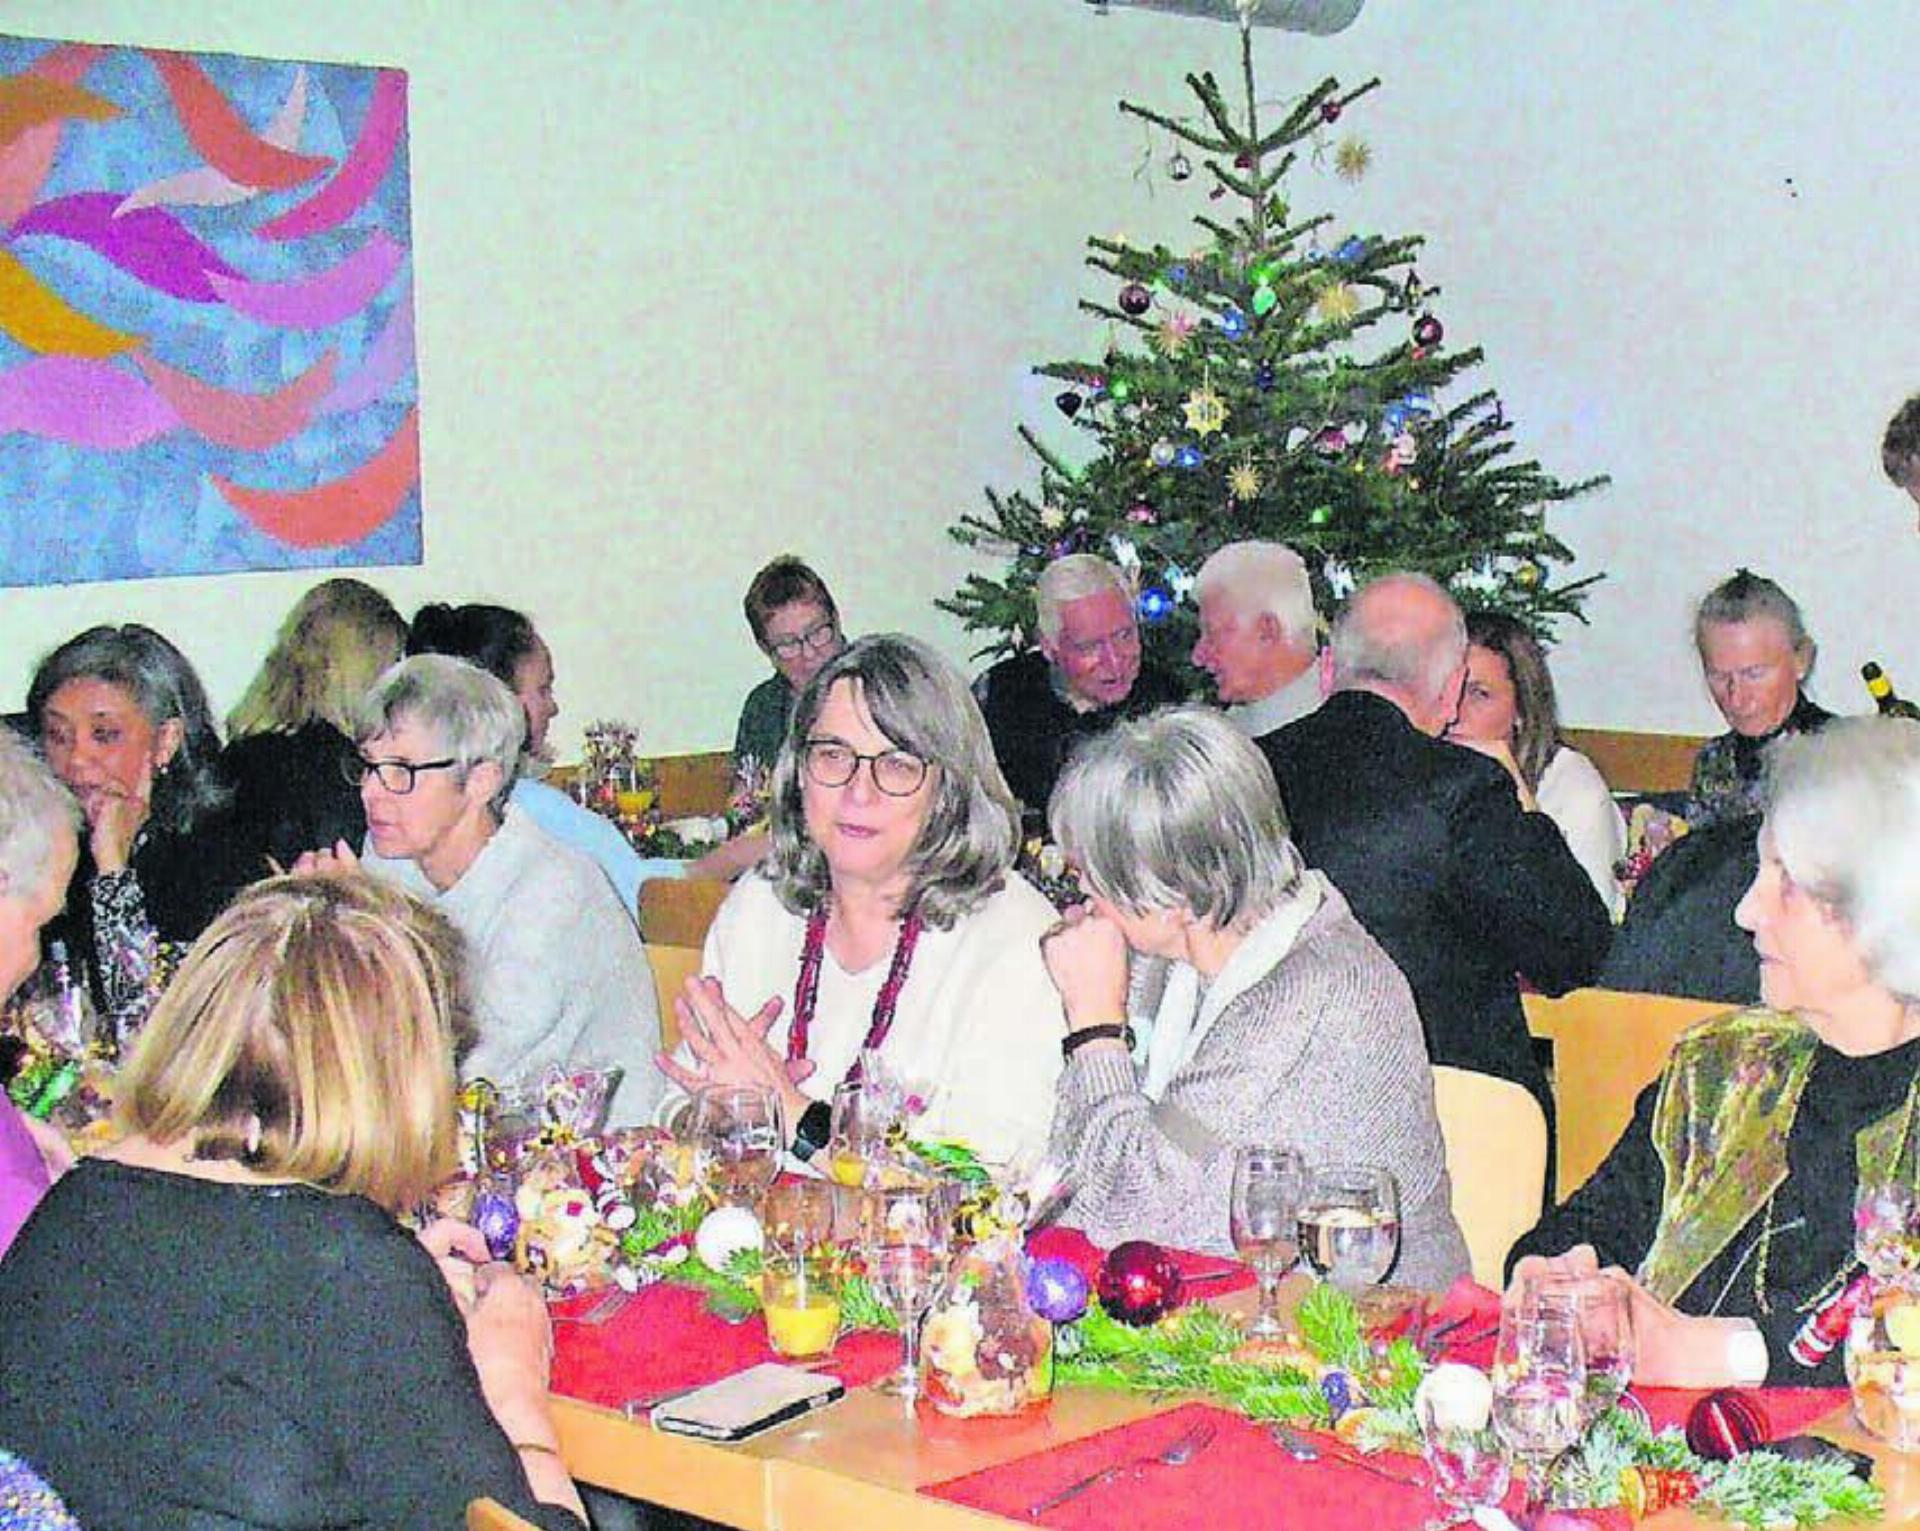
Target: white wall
{"points": [[701, 281]]}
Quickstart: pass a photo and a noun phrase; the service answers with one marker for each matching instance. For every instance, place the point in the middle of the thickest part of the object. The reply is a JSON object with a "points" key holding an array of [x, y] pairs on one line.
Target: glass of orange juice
{"points": [[802, 1305], [858, 1146]]}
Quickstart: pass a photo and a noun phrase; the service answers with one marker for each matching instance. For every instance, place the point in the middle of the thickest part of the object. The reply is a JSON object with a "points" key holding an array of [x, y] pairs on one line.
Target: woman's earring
{"points": [[253, 1137]]}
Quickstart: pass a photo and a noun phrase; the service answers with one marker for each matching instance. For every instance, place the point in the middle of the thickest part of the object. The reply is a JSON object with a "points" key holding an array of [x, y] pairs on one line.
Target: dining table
{"points": [[872, 1460]]}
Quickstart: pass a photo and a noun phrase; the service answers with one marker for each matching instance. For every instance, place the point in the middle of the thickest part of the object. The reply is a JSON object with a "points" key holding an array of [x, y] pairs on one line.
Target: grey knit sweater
{"points": [[1324, 1054]]}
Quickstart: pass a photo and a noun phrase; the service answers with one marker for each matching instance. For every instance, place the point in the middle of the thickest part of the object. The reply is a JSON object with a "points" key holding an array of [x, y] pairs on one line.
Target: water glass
{"points": [[1350, 1224], [1539, 1380], [1264, 1220], [1607, 1343], [1463, 1451], [906, 1237], [736, 1131]]}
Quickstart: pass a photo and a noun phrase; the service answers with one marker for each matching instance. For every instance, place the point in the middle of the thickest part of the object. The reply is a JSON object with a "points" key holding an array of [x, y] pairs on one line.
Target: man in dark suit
{"points": [[1428, 840]]}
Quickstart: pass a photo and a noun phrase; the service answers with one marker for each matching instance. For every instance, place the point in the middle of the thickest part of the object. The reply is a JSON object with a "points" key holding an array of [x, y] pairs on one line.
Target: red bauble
{"points": [[1135, 299], [1330, 111], [1427, 331], [1138, 1282], [1726, 1423]]}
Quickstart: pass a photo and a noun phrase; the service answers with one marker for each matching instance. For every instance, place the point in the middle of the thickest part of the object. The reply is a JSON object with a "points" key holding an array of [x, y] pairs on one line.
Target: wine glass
{"points": [[861, 1121], [1606, 1338], [1265, 1223], [736, 1130], [1470, 1470], [1539, 1379], [1350, 1224], [905, 1240], [1886, 1228]]}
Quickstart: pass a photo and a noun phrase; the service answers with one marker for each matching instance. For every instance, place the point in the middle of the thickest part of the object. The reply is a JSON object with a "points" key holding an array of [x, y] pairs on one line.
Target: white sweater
{"points": [[557, 971], [1575, 796], [977, 1028]]}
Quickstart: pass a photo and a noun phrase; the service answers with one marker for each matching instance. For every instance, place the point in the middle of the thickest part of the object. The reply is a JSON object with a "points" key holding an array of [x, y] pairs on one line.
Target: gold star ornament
{"points": [[1206, 411]]}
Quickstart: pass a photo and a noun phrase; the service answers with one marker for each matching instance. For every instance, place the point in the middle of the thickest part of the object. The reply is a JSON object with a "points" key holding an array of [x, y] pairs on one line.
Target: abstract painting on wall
{"points": [[206, 315]]}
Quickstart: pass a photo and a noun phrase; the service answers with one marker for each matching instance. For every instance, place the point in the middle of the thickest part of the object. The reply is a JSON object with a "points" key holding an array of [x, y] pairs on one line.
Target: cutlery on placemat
{"points": [[600, 1312], [1297, 1446], [1177, 1454]]}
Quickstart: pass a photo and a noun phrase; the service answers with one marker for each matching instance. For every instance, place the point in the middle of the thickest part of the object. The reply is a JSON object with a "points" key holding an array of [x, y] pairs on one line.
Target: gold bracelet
{"points": [[539, 1446]]}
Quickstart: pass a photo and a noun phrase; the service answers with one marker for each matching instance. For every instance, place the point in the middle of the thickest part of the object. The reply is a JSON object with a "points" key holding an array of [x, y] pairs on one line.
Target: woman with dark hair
{"points": [[124, 723], [886, 916], [292, 729], [797, 626], [1508, 711], [505, 644]]}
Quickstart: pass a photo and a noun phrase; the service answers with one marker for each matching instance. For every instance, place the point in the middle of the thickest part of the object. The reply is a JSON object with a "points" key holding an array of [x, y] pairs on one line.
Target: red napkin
{"points": [[1207, 1275], [1789, 1410], [664, 1341], [1241, 1467]]}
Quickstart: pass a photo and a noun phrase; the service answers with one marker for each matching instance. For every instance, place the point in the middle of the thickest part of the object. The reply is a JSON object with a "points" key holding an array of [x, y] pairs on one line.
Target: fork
{"points": [[600, 1312], [1176, 1454]]}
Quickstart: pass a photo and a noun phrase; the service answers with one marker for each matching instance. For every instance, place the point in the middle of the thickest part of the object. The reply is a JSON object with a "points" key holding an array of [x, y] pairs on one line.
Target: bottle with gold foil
{"points": [[1889, 701]]}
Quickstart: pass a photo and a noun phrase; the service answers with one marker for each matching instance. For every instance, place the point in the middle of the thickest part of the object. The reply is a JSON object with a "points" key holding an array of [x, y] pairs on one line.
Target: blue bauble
{"points": [[1394, 418], [1156, 605], [1338, 1391], [1188, 457], [1056, 1290], [1233, 324], [498, 1220], [1350, 250], [1177, 275]]}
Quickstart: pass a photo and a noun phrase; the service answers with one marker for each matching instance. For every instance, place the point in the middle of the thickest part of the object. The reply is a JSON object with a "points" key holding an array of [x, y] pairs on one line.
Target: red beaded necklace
{"points": [[806, 992]]}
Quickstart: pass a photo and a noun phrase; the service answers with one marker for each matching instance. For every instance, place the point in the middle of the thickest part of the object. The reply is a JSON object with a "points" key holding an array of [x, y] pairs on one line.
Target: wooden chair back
{"points": [[1608, 1045], [676, 911], [1635, 762], [672, 967], [1496, 1137], [491, 1515], [690, 784]]}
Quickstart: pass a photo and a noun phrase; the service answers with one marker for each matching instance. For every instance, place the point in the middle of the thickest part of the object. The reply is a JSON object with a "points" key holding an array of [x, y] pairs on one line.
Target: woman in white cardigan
{"points": [[886, 916]]}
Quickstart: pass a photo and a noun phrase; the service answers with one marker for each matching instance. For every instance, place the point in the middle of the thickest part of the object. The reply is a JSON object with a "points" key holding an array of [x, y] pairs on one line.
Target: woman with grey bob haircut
{"points": [[555, 966], [884, 938], [1274, 1017]]}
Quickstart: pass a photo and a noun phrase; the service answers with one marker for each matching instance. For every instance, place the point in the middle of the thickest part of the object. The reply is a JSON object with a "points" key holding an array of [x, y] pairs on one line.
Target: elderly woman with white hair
{"points": [[1730, 1196], [1274, 1016], [557, 970], [886, 919], [38, 849]]}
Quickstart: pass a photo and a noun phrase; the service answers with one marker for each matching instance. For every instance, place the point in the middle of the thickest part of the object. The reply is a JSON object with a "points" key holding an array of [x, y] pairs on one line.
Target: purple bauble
{"points": [[1138, 1282], [498, 1220], [1135, 299], [1056, 1290]]}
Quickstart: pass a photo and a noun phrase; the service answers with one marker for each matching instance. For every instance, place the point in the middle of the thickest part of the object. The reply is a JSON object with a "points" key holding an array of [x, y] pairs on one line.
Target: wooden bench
{"points": [[1636, 762]]}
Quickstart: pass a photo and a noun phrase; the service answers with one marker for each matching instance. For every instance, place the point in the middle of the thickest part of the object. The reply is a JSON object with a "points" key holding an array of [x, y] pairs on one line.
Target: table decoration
{"points": [[986, 1350]]}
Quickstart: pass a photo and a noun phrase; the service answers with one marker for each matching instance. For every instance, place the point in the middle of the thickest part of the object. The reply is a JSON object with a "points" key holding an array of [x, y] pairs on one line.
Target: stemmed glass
{"points": [[1265, 1223], [1350, 1225], [1606, 1338], [905, 1241], [1539, 1380], [736, 1131], [862, 1119]]}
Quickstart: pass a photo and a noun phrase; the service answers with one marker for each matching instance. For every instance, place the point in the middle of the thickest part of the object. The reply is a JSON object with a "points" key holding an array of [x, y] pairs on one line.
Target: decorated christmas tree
{"points": [[1284, 380]]}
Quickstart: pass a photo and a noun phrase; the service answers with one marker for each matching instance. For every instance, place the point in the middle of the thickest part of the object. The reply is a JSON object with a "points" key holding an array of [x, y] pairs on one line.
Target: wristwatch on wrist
{"points": [[811, 1132], [1113, 1031]]}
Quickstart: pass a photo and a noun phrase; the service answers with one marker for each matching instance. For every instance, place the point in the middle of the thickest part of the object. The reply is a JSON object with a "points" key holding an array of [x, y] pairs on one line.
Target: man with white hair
{"points": [[1427, 840], [1083, 674], [1258, 634]]}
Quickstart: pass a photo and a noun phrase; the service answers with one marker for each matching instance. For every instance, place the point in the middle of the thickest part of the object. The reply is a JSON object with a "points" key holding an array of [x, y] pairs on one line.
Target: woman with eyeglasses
{"points": [[797, 627], [556, 968], [886, 916], [124, 723]]}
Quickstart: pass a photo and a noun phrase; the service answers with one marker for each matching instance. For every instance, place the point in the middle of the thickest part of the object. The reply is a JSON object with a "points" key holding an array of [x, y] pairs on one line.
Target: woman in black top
{"points": [[293, 729], [218, 1321]]}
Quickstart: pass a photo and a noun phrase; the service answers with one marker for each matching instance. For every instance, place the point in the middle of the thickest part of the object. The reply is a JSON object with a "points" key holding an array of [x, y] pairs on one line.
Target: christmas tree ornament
{"points": [[1393, 419], [1526, 574], [1188, 457], [1175, 331], [1179, 582], [1337, 1389], [1052, 518], [1141, 513], [1156, 605], [1121, 390], [1262, 272], [1264, 299], [1057, 1290], [1264, 377], [1727, 1422], [1646, 1491], [1068, 403], [1417, 402], [1350, 250], [1243, 479], [1401, 452], [1330, 110], [1243, 161], [1412, 291], [1427, 331], [1176, 275], [1161, 453], [1330, 441], [1352, 159], [497, 1218], [1135, 299], [1138, 1283], [1205, 410], [1125, 553], [1233, 324], [1337, 304], [725, 1232], [1179, 167], [1320, 515]]}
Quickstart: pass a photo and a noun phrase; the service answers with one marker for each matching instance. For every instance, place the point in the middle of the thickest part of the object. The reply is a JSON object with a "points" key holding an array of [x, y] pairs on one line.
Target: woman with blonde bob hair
{"points": [[218, 1315], [1276, 1019]]}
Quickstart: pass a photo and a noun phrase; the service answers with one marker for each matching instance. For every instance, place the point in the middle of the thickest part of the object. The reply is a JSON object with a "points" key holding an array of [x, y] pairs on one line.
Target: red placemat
{"points": [[664, 1340], [1241, 1472], [1206, 1275]]}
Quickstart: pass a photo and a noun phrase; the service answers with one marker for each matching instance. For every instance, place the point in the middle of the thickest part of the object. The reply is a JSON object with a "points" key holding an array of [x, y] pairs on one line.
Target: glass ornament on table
{"points": [[1350, 1225], [1539, 1381], [1454, 1408], [737, 1141], [1264, 1221], [905, 1242]]}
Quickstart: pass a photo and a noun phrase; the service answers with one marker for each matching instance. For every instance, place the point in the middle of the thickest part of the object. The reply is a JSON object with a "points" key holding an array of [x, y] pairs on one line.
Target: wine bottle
{"points": [[1889, 701]]}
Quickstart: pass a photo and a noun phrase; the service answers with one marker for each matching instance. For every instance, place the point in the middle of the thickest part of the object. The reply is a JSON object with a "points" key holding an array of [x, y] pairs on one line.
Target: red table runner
{"points": [[664, 1340]]}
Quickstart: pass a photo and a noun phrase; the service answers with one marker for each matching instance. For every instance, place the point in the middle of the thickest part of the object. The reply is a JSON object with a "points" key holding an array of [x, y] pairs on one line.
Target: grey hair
{"points": [[37, 816], [165, 689], [1405, 656], [1748, 597], [1843, 808], [1177, 810], [1262, 579], [922, 704], [472, 714], [1074, 578]]}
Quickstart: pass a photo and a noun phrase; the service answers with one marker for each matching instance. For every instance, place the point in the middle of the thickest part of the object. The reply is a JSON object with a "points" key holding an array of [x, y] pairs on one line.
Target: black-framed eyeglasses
{"points": [[822, 635], [397, 776], [832, 763]]}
